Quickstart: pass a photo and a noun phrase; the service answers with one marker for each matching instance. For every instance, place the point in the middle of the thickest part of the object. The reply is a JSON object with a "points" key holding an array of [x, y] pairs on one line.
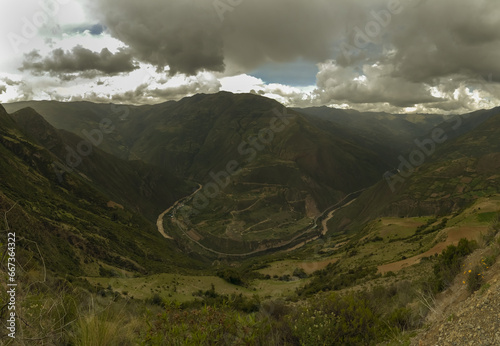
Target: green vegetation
{"points": [[474, 279], [449, 264], [366, 317], [230, 275], [277, 188], [94, 270], [334, 278], [425, 229], [67, 225]]}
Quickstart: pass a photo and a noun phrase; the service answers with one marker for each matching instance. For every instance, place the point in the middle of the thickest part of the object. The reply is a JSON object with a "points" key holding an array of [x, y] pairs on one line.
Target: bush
{"points": [[402, 318], [103, 328], [285, 278], [475, 279], [275, 308], [300, 273], [208, 326], [156, 300], [488, 261], [449, 262], [389, 274], [489, 237], [103, 272], [427, 224], [334, 278], [231, 276], [348, 320]]}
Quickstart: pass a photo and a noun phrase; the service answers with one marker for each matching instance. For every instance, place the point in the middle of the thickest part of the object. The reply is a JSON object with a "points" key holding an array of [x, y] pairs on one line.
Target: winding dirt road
{"points": [[328, 212], [159, 221]]}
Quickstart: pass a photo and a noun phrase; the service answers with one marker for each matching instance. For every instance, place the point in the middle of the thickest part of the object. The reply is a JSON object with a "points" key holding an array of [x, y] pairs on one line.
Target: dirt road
{"points": [[159, 221]]}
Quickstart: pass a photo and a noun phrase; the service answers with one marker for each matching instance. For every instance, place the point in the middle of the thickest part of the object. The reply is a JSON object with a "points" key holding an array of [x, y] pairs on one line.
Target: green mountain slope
{"points": [[144, 188], [289, 168], [455, 170], [77, 117], [387, 134], [69, 222]]}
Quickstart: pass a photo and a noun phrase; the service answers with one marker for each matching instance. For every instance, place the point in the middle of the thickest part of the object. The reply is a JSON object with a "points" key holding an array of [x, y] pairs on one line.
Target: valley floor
{"points": [[159, 222]]}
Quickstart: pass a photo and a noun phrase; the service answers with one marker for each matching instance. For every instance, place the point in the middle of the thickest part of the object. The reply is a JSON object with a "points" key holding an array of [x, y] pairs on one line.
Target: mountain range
{"points": [[266, 173], [235, 206]]}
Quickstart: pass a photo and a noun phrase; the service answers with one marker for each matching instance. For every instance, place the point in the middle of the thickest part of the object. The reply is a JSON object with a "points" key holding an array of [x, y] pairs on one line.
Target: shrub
{"points": [[104, 272], [449, 262], [489, 237], [402, 318], [207, 326], [156, 300], [348, 320], [300, 273], [275, 308], [241, 303], [488, 261], [107, 327], [334, 278], [389, 274], [285, 277], [474, 279], [231, 276]]}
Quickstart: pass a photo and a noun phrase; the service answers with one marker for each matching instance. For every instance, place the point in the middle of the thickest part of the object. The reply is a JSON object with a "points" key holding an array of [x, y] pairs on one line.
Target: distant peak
{"points": [[27, 112], [29, 117]]}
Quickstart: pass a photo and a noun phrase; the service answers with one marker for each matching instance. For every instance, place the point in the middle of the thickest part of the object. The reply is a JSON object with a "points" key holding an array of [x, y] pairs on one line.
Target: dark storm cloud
{"points": [[10, 82], [3, 88], [443, 38], [144, 94], [184, 35], [189, 35], [443, 54], [80, 61], [430, 38], [374, 84]]}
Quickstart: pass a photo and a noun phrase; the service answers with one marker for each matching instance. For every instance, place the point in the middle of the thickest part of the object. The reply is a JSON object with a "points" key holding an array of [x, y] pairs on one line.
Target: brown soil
{"points": [[114, 205], [454, 235]]}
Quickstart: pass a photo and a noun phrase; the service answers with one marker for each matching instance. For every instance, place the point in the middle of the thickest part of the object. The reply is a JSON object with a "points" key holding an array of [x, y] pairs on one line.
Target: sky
{"points": [[398, 56]]}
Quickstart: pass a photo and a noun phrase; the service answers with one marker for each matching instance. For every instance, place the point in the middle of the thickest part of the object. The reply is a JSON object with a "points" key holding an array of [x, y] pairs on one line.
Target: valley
{"points": [[304, 222], [249, 173], [159, 222], [383, 244], [313, 232]]}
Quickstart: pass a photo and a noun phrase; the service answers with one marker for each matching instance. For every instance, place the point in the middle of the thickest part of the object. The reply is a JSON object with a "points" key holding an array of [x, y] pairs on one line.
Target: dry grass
{"points": [[111, 325]]}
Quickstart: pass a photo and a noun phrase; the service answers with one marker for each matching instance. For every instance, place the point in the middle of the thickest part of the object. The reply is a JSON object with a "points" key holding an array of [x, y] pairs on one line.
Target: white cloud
{"points": [[431, 57], [242, 83]]}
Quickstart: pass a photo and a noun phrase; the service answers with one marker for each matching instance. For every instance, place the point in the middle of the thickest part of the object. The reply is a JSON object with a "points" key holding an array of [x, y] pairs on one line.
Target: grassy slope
{"points": [[361, 250], [74, 229], [386, 134], [302, 171], [78, 116], [387, 245], [144, 188], [461, 170]]}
